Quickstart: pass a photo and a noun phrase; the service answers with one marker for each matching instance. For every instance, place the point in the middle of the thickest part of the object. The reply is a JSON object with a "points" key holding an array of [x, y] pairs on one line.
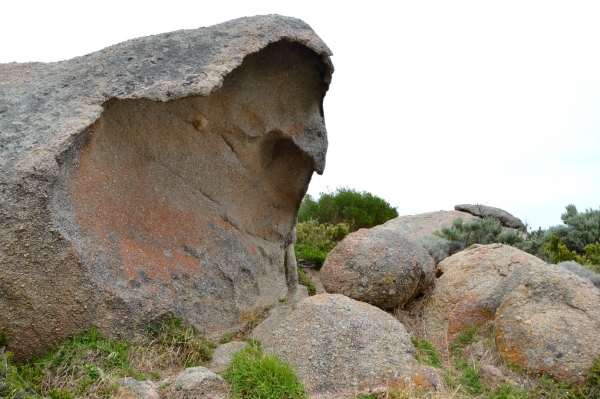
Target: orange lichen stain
{"points": [[468, 312], [135, 218], [138, 257]]}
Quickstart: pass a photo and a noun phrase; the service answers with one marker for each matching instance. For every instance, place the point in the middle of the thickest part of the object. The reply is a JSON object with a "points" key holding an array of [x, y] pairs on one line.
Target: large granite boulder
{"points": [[504, 217], [425, 224], [342, 347], [378, 266], [547, 319], [472, 287], [158, 176]]}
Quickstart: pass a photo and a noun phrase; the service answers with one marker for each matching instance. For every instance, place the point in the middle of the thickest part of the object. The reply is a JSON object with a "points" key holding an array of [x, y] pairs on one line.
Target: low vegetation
{"points": [[253, 374], [89, 366]]}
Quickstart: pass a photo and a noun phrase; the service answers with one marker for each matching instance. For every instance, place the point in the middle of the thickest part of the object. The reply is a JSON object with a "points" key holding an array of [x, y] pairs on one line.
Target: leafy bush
{"points": [[321, 236], [255, 375], [356, 209], [305, 252], [579, 230]]}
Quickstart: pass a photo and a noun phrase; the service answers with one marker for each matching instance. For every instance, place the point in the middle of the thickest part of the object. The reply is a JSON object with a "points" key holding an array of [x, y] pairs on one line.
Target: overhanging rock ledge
{"points": [[160, 176]]}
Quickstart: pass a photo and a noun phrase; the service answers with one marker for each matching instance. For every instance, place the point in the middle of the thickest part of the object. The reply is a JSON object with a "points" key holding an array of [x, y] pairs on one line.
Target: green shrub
{"points": [[344, 205], [321, 236], [254, 375], [303, 279], [580, 229], [311, 254]]}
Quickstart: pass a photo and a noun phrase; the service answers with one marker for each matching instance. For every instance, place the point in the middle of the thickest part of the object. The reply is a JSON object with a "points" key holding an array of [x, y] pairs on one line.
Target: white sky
{"points": [[433, 103]]}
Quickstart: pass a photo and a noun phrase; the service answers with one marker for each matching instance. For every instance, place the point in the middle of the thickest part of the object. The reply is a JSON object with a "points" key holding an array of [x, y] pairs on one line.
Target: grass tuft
{"points": [[426, 353], [255, 375], [183, 341]]}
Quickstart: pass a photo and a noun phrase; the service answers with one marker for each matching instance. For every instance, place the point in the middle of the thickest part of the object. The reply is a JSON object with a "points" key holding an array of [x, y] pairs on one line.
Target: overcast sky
{"points": [[432, 104]]}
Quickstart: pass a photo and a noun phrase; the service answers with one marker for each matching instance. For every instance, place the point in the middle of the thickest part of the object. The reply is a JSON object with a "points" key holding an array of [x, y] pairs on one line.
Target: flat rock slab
{"points": [[158, 176], [505, 218]]}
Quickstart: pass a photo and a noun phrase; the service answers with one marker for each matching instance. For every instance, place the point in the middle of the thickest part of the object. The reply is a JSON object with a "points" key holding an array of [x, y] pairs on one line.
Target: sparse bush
{"points": [[462, 235], [255, 375], [581, 271], [344, 205], [437, 247]]}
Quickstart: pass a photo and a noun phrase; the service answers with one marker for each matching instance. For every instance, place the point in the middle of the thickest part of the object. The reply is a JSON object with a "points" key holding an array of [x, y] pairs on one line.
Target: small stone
{"points": [[491, 373]]}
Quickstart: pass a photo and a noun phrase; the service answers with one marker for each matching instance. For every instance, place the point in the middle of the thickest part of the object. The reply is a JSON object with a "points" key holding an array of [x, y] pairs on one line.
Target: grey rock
{"points": [[378, 266], [158, 176], [505, 218], [550, 324], [221, 358], [200, 381], [142, 389], [340, 346]]}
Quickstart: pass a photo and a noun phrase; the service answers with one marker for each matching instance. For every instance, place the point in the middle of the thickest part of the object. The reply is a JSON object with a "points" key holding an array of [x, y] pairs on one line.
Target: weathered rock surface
{"points": [[221, 358], [158, 176], [550, 324], [473, 286], [425, 224], [200, 381], [277, 315], [378, 266], [505, 218], [341, 346]]}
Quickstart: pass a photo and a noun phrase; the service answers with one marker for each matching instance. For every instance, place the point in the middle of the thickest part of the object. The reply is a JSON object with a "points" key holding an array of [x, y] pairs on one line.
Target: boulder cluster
{"points": [[163, 176]]}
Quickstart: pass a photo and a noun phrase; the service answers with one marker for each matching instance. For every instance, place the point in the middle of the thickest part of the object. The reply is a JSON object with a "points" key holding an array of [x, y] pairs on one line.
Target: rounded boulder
{"points": [[378, 266], [341, 347]]}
